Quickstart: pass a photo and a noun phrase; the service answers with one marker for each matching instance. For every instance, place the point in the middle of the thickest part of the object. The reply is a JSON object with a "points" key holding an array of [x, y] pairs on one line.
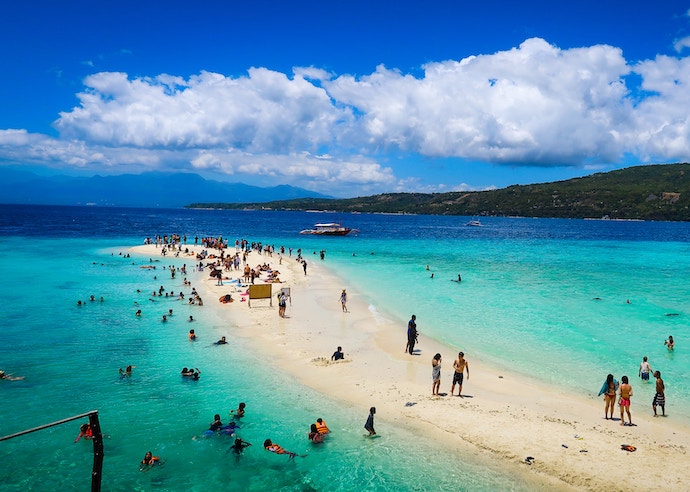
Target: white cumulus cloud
{"points": [[532, 105]]}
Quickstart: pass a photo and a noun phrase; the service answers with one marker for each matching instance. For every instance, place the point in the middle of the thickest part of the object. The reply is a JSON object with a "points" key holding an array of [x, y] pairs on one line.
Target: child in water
{"points": [[239, 413], [149, 461], [85, 432]]}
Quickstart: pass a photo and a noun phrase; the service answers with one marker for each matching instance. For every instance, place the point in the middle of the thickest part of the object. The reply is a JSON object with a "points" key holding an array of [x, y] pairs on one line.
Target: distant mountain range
{"points": [[654, 192], [151, 189]]}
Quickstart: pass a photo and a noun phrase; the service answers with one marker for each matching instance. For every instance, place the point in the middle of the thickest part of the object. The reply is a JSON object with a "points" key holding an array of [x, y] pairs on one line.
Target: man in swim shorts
{"points": [[659, 397], [645, 369], [460, 365]]}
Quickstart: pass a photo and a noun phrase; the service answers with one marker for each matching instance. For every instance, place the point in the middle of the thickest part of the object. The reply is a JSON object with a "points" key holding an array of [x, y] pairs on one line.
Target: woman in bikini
{"points": [[626, 392], [611, 387]]}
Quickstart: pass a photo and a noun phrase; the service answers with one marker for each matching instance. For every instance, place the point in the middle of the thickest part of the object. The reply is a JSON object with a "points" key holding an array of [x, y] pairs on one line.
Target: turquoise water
{"points": [[526, 303], [70, 357], [557, 311]]}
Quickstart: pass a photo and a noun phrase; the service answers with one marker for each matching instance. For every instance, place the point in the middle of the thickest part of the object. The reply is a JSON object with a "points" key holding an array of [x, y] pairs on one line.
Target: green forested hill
{"points": [[655, 192]]}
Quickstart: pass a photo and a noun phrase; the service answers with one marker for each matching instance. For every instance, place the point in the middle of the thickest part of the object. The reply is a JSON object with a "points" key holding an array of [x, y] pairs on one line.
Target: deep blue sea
{"points": [[562, 301]]}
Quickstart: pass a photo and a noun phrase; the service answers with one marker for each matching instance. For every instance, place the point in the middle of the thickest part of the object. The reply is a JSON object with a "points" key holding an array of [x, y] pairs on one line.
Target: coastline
{"points": [[503, 417]]}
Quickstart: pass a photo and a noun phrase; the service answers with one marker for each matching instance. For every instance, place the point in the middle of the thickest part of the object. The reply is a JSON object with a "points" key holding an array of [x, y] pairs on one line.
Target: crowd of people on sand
{"points": [[612, 389], [221, 261], [218, 260]]}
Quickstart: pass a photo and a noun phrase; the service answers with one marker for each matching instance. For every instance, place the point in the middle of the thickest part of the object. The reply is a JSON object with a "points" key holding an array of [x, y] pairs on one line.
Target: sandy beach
{"points": [[502, 418]]}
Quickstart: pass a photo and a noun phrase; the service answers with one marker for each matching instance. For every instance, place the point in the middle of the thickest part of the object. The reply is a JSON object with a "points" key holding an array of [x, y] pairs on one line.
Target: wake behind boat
{"points": [[328, 229]]}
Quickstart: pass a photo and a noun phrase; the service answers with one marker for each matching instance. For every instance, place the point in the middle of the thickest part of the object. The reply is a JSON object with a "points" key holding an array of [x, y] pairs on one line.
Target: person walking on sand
{"points": [[343, 300], [625, 391], [435, 374], [369, 425], [659, 398], [645, 369], [460, 365]]}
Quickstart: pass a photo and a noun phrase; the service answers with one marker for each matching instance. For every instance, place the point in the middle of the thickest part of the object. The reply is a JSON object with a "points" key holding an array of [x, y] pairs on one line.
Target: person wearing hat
{"points": [[343, 300]]}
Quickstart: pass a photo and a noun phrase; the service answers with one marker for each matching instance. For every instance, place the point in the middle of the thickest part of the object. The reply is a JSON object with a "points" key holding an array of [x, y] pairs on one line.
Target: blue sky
{"points": [[346, 98]]}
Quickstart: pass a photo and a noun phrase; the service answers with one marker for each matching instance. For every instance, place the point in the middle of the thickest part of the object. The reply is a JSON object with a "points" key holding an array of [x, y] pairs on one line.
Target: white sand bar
{"points": [[505, 417]]}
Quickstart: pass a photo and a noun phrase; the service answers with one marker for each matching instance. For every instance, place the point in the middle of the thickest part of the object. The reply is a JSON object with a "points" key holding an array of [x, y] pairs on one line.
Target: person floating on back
{"points": [[275, 448]]}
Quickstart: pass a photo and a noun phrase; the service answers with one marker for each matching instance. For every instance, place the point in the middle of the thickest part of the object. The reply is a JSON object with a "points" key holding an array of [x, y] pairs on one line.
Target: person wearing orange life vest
{"points": [[275, 448], [85, 432], [149, 461], [321, 426]]}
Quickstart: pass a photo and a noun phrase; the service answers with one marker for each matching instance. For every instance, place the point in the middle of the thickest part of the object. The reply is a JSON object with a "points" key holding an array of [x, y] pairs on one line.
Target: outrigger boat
{"points": [[329, 229]]}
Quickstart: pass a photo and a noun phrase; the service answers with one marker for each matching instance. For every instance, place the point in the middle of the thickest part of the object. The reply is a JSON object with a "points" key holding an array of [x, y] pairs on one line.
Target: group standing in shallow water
{"points": [[611, 388]]}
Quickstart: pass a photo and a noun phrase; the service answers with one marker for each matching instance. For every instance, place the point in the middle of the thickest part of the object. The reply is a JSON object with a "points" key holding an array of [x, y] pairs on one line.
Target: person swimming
{"points": [[191, 373], [314, 435], [670, 343], [85, 432], [321, 426], [239, 413], [10, 377], [275, 448], [238, 447], [216, 425], [149, 461]]}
